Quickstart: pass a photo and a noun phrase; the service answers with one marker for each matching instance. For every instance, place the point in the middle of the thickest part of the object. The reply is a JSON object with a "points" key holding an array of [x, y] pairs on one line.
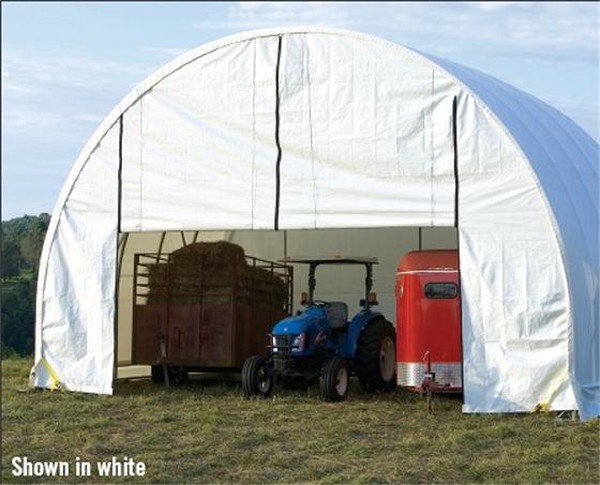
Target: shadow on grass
{"points": [[195, 383], [230, 385]]}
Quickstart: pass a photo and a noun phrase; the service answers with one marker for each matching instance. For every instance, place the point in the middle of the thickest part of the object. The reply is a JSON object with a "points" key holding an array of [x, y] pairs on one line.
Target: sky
{"points": [[65, 65]]}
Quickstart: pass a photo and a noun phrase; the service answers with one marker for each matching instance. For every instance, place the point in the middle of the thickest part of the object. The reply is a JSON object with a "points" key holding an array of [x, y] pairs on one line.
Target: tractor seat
{"points": [[337, 314]]}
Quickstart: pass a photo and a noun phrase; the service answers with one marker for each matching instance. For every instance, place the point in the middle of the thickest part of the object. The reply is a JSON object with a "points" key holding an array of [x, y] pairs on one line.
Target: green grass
{"points": [[206, 432]]}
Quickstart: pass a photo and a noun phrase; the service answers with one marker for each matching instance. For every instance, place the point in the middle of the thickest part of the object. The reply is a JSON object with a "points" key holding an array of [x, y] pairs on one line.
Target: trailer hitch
{"points": [[428, 384]]}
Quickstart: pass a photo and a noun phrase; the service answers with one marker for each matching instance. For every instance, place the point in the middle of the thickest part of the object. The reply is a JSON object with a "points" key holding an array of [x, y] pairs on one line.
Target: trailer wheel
{"points": [[177, 375], [256, 380], [157, 373], [334, 379], [375, 360]]}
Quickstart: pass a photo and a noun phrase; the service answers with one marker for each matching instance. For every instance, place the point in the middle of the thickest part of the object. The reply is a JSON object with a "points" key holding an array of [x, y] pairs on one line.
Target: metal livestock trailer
{"points": [[428, 348]]}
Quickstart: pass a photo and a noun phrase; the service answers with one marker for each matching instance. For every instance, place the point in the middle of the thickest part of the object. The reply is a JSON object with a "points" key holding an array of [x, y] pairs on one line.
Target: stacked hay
{"points": [[213, 272]]}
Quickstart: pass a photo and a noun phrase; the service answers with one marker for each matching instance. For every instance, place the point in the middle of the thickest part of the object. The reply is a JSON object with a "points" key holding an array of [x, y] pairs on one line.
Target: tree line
{"points": [[22, 241]]}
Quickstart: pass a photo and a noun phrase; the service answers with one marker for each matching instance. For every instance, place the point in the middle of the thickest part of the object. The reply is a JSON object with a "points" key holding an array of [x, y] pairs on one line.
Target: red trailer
{"points": [[429, 356]]}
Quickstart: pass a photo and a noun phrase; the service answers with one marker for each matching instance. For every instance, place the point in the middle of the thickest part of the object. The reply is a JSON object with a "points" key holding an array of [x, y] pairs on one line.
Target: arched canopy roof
{"points": [[321, 128]]}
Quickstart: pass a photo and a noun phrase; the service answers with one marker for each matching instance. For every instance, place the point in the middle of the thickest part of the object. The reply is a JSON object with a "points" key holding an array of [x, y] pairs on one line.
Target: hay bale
{"points": [[213, 272], [158, 283], [266, 285], [208, 254]]}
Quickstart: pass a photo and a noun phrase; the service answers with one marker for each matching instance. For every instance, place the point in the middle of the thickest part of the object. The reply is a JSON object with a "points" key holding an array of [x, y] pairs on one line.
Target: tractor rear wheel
{"points": [[334, 379], [256, 380], [375, 360]]}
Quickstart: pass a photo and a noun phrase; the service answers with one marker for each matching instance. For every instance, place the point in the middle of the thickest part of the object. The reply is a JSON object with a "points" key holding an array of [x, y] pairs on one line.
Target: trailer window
{"points": [[441, 290]]}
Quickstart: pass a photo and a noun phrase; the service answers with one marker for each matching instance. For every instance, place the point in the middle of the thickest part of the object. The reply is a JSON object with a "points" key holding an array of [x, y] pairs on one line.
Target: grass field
{"points": [[206, 432]]}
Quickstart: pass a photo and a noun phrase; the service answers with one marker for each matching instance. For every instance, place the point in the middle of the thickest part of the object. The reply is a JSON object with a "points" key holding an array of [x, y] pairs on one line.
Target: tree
{"points": [[12, 260], [22, 241], [28, 232], [18, 315], [31, 246]]}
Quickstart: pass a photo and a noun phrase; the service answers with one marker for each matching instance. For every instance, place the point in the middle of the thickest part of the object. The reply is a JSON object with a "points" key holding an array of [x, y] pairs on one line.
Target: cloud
{"points": [[523, 29], [586, 115], [258, 15], [494, 6], [40, 70], [168, 53], [51, 104], [22, 118], [42, 90]]}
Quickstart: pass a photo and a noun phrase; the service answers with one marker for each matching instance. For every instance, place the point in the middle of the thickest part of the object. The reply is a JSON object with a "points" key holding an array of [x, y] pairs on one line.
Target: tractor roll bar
{"points": [[314, 262]]}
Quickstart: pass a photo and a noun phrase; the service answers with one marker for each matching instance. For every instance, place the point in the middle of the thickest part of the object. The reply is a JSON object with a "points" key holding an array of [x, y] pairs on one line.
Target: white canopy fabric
{"points": [[321, 128]]}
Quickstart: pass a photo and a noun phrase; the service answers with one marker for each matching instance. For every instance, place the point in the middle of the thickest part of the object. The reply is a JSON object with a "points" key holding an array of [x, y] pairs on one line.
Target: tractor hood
{"points": [[313, 317]]}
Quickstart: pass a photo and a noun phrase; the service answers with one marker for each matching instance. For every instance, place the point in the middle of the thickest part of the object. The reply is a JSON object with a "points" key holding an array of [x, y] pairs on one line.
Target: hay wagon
{"points": [[205, 307]]}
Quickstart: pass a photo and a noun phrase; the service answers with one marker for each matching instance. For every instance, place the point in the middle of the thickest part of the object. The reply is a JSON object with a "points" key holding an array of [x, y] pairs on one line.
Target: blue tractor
{"points": [[320, 343]]}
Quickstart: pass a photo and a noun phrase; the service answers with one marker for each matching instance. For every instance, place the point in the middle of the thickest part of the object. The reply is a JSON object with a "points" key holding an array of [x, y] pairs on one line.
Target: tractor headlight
{"points": [[299, 342]]}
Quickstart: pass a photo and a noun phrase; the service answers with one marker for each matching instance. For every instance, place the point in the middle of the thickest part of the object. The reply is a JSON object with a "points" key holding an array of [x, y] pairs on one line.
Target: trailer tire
{"points": [[375, 361], [334, 379], [177, 375], [256, 379], [157, 373]]}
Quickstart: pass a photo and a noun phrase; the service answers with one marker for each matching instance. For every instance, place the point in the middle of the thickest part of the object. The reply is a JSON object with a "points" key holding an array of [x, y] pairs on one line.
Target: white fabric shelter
{"points": [[305, 128]]}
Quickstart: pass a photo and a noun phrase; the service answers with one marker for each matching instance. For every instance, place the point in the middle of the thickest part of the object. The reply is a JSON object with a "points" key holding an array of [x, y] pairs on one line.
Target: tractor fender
{"points": [[360, 321]]}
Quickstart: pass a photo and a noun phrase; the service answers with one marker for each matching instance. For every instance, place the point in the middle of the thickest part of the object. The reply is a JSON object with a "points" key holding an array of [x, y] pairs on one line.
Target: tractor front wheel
{"points": [[334, 379], [256, 379], [376, 356]]}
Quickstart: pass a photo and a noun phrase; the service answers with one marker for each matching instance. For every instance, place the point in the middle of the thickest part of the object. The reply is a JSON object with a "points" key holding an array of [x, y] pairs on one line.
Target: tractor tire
{"points": [[375, 360], [334, 380], [256, 380]]}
